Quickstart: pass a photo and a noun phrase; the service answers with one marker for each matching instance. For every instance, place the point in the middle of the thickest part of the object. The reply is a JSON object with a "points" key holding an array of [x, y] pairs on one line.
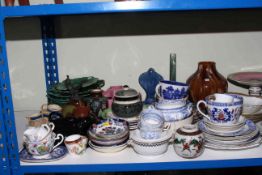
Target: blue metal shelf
{"points": [[143, 166], [139, 6]]}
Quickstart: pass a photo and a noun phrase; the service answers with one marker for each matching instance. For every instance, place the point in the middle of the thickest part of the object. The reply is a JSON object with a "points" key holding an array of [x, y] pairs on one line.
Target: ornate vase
{"points": [[206, 81]]}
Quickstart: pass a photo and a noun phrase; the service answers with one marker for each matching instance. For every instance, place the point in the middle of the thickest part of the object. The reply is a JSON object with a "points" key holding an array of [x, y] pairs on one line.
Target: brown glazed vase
{"points": [[205, 81], [24, 2], [9, 2]]}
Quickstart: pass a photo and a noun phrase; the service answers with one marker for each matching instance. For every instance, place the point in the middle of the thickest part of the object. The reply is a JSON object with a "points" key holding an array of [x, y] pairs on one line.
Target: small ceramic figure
{"points": [[189, 141], [148, 81]]}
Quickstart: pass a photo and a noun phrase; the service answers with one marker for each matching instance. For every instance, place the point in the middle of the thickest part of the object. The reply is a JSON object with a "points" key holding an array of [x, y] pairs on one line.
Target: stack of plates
{"points": [[110, 135], [132, 121], [61, 93], [241, 135]]}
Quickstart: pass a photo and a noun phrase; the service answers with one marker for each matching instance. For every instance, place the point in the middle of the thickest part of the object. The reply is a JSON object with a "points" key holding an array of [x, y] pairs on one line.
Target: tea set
{"points": [[224, 127]]}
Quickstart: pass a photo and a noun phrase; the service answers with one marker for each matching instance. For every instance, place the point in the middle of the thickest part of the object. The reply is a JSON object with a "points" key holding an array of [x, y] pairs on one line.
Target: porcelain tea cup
{"points": [[76, 144], [171, 90], [219, 112], [151, 123], [38, 133], [221, 98], [44, 146]]}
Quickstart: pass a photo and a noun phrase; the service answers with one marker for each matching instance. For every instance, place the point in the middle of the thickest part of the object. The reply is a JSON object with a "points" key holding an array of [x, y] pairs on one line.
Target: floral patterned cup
{"points": [[76, 144], [171, 90]]}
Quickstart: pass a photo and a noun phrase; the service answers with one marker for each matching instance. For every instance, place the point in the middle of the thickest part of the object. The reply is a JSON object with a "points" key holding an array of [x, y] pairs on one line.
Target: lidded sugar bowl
{"points": [[189, 141], [127, 103]]}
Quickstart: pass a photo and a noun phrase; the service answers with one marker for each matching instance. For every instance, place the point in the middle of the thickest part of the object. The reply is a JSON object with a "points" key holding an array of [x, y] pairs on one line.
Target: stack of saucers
{"points": [[110, 135], [238, 136], [172, 101]]}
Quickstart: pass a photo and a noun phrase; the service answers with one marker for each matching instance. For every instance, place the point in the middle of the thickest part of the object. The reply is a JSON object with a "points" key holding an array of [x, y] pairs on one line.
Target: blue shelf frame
{"points": [[9, 161]]}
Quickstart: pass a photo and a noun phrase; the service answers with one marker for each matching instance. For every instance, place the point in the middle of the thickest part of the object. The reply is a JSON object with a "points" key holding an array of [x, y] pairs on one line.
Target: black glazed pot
{"points": [[127, 103]]}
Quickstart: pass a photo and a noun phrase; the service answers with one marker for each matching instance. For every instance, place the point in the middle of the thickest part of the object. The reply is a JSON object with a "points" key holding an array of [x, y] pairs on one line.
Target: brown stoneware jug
{"points": [[205, 81]]}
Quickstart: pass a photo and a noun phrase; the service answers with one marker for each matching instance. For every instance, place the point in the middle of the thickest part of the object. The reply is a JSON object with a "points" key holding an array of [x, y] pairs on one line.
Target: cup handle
{"points": [[167, 126], [47, 127], [157, 90], [61, 141], [199, 110], [51, 125]]}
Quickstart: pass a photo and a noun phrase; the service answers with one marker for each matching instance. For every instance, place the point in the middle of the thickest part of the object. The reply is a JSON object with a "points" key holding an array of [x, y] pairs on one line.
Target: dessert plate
{"points": [[58, 153]]}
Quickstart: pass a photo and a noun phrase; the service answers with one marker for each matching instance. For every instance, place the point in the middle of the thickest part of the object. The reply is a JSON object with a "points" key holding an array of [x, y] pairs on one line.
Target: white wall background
{"points": [[121, 59]]}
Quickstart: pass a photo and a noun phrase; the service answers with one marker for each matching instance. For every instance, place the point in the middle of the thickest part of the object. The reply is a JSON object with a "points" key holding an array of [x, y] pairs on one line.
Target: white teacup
{"points": [[76, 144], [33, 134], [44, 146]]}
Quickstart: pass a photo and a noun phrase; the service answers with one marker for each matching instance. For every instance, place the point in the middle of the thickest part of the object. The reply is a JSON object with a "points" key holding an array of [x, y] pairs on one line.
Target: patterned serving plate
{"points": [[253, 79], [58, 153]]}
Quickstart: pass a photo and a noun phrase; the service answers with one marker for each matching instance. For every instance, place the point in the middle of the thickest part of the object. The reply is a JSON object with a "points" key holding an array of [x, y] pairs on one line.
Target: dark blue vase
{"points": [[148, 81]]}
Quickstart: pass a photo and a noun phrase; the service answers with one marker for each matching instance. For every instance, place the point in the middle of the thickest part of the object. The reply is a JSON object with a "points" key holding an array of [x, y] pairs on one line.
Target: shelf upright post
{"points": [[10, 163], [49, 50]]}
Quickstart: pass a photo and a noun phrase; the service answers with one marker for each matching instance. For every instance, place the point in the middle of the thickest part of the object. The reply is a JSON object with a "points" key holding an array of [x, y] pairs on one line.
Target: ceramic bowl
{"points": [[109, 129], [251, 105], [176, 114], [152, 147], [171, 104]]}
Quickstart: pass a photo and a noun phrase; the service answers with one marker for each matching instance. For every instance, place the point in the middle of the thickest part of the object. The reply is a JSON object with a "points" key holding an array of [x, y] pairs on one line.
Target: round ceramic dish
{"points": [[109, 129], [109, 142], [108, 149], [150, 147], [253, 79], [176, 114]]}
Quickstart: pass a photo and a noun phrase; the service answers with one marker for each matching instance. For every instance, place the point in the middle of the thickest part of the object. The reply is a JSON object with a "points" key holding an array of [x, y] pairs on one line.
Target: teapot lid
{"points": [[126, 93]]}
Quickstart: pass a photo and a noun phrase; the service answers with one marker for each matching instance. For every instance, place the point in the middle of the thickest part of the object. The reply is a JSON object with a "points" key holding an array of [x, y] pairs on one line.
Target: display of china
{"points": [[223, 109], [76, 144], [172, 114], [127, 103], [44, 146], [110, 93], [189, 141], [32, 134], [206, 81], [109, 135], [151, 123], [148, 81], [152, 147], [171, 90]]}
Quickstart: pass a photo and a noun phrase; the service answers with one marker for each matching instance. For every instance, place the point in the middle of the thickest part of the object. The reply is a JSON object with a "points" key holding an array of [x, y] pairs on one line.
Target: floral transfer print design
{"points": [[171, 93]]}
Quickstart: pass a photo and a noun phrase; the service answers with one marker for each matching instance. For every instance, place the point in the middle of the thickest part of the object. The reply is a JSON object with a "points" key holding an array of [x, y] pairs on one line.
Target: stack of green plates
{"points": [[61, 93]]}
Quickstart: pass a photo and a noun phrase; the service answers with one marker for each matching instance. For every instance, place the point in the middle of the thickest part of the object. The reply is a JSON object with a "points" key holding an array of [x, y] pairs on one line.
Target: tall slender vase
{"points": [[205, 81]]}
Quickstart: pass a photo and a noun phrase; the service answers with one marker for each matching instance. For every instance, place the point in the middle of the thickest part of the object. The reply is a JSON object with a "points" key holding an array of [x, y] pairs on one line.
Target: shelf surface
{"points": [[128, 160], [131, 6]]}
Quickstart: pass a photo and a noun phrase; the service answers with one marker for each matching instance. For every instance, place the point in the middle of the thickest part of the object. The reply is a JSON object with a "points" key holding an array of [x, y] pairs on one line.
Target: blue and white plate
{"points": [[58, 153], [248, 128]]}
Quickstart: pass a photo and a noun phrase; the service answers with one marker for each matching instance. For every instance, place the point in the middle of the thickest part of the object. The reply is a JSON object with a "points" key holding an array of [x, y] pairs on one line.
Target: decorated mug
{"points": [[76, 144]]}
